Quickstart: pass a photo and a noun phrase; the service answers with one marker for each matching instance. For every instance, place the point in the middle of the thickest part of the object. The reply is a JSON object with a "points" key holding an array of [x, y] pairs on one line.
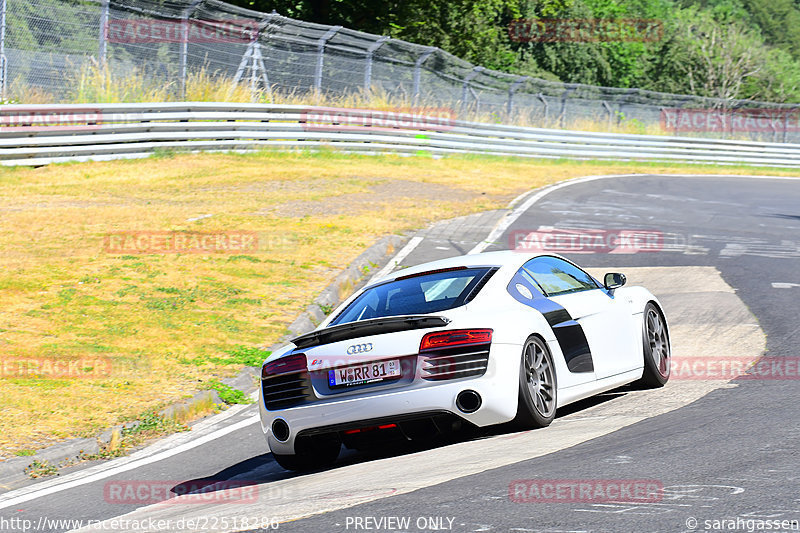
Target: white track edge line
{"points": [[8, 499], [397, 259]]}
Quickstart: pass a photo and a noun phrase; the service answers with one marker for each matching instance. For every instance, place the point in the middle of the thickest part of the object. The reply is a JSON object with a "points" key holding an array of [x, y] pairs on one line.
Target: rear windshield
{"points": [[426, 293]]}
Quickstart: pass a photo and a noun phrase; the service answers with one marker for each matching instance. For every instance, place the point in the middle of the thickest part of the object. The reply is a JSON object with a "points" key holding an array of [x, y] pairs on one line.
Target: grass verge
{"points": [[145, 329]]}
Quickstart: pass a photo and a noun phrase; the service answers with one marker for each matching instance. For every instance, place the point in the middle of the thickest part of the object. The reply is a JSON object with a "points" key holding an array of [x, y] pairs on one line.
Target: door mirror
{"points": [[614, 280]]}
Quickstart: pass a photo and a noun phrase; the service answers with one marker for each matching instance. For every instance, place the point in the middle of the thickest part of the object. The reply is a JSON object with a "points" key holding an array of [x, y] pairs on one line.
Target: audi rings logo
{"points": [[359, 348]]}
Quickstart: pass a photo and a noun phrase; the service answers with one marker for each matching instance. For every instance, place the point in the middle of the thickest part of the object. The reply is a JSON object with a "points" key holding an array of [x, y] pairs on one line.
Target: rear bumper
{"points": [[498, 389]]}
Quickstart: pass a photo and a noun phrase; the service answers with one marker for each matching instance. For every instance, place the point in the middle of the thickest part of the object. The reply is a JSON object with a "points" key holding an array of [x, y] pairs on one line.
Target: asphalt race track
{"points": [[725, 456]]}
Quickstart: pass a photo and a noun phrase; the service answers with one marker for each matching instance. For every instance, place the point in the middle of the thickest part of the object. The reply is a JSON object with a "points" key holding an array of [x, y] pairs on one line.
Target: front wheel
{"points": [[657, 353], [537, 386]]}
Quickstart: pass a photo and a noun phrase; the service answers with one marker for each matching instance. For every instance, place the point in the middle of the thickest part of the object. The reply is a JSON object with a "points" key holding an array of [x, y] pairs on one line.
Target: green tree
{"points": [[64, 26], [721, 48]]}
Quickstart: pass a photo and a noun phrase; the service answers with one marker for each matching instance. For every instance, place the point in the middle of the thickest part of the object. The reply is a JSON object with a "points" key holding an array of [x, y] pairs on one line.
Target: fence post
{"points": [[610, 114], [785, 124], [774, 128], [185, 43], [103, 45], [731, 121], [368, 68], [418, 68], [511, 90], [540, 96], [563, 112], [3, 59], [321, 54], [795, 114], [468, 78]]}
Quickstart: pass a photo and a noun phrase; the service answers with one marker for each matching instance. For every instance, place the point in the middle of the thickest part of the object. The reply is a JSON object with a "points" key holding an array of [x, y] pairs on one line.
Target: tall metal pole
{"points": [[511, 90], [546, 106], [418, 69], [368, 67], [609, 114], [3, 59], [103, 31], [321, 55], [464, 88], [185, 43]]}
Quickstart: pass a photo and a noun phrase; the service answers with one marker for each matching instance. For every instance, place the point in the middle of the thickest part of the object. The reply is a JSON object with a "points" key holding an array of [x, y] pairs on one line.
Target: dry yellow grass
{"points": [[168, 323]]}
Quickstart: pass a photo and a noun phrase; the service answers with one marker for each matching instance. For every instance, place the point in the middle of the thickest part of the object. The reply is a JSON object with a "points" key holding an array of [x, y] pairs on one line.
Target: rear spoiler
{"points": [[373, 326]]}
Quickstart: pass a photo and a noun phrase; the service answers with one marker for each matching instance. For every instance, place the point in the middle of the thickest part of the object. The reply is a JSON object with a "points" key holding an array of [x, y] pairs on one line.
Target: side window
{"points": [[556, 276], [529, 279], [523, 287]]}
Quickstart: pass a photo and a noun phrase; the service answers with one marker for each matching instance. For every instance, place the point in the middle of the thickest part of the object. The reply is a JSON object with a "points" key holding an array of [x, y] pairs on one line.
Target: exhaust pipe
{"points": [[468, 401], [280, 429]]}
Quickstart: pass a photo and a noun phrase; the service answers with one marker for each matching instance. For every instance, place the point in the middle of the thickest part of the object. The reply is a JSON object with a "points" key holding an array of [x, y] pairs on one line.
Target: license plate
{"points": [[363, 374]]}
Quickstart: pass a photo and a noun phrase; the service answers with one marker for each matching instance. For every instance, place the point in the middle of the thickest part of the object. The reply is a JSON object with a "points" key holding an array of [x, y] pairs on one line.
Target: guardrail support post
{"points": [[103, 44], [417, 70], [185, 43], [321, 55], [511, 90], [468, 78], [368, 67], [3, 58]]}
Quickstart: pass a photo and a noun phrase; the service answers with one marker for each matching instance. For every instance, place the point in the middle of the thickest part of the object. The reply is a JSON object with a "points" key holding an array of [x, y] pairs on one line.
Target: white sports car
{"points": [[480, 339]]}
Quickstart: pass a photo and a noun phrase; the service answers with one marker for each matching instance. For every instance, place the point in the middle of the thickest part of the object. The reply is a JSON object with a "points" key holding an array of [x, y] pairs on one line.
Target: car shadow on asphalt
{"points": [[262, 469]]}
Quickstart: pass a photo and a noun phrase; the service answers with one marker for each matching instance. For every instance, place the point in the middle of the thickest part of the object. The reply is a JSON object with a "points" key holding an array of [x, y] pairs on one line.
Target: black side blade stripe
{"points": [[569, 334]]}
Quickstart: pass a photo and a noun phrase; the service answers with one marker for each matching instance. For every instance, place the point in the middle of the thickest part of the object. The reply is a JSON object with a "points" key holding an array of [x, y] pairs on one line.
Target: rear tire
{"points": [[657, 352], [314, 454], [537, 386]]}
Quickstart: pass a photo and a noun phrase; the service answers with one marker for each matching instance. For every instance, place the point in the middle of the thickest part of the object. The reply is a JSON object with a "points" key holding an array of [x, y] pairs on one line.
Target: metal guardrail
{"points": [[42, 134], [49, 44]]}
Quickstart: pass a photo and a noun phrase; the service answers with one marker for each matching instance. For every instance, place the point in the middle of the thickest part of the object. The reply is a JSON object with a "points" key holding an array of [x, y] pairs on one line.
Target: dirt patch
{"points": [[356, 203]]}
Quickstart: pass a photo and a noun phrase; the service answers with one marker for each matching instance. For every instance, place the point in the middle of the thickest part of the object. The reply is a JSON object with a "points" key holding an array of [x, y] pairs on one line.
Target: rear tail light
{"points": [[285, 382], [455, 337], [284, 365]]}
